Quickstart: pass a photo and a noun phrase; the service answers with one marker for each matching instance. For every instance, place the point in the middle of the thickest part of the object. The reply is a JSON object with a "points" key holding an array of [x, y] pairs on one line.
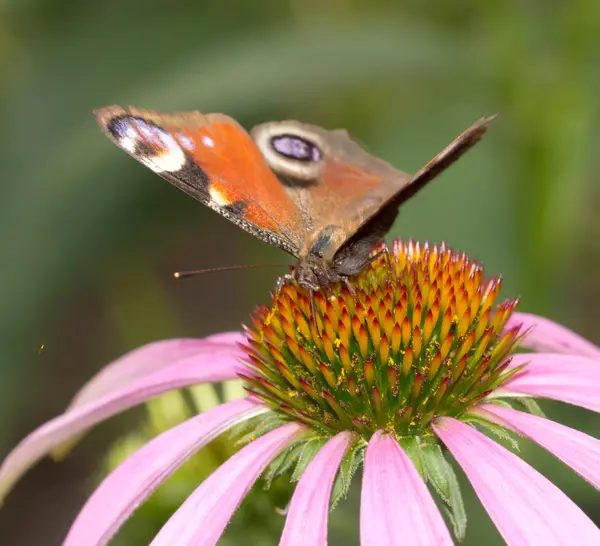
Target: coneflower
{"points": [[396, 370]]}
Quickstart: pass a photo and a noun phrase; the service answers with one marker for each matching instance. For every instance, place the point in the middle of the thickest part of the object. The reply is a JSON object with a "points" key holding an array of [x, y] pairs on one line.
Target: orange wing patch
{"points": [[238, 174], [212, 158]]}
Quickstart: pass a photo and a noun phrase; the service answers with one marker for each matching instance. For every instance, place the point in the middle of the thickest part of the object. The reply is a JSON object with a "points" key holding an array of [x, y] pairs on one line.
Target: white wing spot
{"points": [[169, 156], [218, 196], [128, 141], [208, 142], [186, 142]]}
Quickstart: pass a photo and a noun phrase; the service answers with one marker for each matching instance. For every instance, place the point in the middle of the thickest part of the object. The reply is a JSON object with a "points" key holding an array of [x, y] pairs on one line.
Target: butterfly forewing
{"points": [[213, 159]]}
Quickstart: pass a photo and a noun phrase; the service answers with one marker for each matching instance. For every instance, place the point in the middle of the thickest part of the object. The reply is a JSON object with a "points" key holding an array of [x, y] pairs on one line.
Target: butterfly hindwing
{"points": [[355, 249], [333, 181]]}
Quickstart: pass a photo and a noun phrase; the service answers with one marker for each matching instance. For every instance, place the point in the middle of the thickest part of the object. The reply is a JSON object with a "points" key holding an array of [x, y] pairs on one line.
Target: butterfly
{"points": [[309, 191]]}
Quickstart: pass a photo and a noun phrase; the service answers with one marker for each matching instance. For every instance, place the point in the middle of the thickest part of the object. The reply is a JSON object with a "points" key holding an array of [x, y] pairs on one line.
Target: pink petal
{"points": [[574, 448], [306, 522], [130, 484], [396, 508], [572, 379], [526, 507], [149, 358], [550, 337], [205, 367], [232, 338], [201, 519]]}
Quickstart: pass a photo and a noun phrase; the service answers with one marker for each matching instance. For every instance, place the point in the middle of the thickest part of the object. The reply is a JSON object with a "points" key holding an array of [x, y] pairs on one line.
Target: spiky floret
{"points": [[414, 336]]}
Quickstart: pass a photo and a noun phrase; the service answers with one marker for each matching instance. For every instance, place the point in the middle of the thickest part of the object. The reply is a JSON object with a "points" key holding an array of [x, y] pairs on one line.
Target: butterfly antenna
{"points": [[186, 274]]}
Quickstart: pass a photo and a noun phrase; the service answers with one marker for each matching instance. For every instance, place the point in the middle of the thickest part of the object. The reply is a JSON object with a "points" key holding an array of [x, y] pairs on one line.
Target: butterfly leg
{"points": [[349, 285], [373, 258], [313, 312], [368, 261], [283, 280]]}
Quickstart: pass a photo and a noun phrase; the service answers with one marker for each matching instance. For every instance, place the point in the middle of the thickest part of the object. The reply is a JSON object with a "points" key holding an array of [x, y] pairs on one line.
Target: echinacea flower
{"points": [[395, 371]]}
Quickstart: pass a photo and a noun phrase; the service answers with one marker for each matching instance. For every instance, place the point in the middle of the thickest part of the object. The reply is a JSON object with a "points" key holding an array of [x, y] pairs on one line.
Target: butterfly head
{"points": [[313, 273]]}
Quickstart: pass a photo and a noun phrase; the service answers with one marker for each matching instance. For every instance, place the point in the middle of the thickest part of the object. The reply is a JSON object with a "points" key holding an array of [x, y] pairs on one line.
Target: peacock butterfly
{"points": [[309, 191]]}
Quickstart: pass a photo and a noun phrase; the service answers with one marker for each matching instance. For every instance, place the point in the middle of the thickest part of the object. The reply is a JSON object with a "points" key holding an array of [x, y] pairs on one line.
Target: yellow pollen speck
{"points": [[292, 393], [270, 316], [42, 346], [390, 361], [337, 342], [272, 312]]}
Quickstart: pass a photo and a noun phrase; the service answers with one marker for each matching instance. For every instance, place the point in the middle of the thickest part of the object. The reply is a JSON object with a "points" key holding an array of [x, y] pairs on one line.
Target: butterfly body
{"points": [[311, 192]]}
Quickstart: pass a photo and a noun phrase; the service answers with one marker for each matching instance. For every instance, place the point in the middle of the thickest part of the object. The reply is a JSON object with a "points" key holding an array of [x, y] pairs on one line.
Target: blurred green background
{"points": [[89, 239]]}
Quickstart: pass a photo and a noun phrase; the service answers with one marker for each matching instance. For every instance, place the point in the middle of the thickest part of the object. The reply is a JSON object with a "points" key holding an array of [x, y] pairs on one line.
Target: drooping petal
{"points": [[131, 483], [396, 508], [202, 518], [149, 358], [527, 508], [550, 337], [188, 371], [306, 521], [571, 379], [576, 449]]}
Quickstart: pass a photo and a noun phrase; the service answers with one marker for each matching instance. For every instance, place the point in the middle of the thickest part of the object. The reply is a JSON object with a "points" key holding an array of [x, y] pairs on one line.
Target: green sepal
{"points": [[505, 376], [459, 526], [305, 455], [353, 458], [298, 455], [440, 474], [497, 430], [520, 403], [412, 447], [250, 430], [530, 405], [504, 402], [241, 431], [283, 462]]}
